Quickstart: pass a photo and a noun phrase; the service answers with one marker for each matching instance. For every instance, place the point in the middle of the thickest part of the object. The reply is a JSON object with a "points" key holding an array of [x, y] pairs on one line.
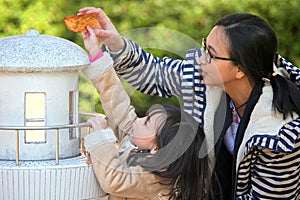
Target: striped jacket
{"points": [[266, 160]]}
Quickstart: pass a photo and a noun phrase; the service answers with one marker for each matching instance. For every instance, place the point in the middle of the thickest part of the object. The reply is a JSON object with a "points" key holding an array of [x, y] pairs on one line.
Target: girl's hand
{"points": [[98, 122], [91, 41], [108, 34]]}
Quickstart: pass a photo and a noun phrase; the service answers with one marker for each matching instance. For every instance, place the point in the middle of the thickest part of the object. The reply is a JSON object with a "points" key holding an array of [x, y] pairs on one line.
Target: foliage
{"points": [[179, 24]]}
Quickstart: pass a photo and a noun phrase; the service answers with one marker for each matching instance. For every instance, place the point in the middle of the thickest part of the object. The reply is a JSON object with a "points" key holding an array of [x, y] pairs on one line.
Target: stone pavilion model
{"points": [[40, 131]]}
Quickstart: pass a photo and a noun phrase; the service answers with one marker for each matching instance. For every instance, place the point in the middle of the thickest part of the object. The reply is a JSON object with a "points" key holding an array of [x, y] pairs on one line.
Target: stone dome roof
{"points": [[34, 52]]}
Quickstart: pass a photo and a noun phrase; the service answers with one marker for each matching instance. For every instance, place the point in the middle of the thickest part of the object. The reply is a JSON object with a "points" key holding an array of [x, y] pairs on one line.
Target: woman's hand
{"points": [[98, 122], [108, 34]]}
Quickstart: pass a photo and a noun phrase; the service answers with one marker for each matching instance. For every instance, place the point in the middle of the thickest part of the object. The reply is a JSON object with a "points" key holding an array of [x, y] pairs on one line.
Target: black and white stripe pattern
{"points": [[293, 71], [271, 168], [165, 77]]}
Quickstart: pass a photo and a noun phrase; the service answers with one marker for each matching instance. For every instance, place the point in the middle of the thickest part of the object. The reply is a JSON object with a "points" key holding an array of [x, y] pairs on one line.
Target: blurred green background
{"points": [[190, 19]]}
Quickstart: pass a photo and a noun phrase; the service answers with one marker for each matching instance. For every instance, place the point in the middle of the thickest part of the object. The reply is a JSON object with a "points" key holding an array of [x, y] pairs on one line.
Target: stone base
{"points": [[71, 179]]}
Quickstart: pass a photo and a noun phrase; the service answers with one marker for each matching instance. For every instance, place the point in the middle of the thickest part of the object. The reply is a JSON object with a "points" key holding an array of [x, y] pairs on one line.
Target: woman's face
{"points": [[144, 131], [218, 72]]}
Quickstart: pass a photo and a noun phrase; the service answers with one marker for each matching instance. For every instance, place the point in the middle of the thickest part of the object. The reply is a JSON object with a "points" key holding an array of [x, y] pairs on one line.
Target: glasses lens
{"points": [[207, 56], [205, 51]]}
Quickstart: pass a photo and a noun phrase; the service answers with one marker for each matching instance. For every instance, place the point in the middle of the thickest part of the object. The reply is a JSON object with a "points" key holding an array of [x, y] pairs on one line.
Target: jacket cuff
{"points": [[98, 138], [115, 54], [97, 68], [119, 56]]}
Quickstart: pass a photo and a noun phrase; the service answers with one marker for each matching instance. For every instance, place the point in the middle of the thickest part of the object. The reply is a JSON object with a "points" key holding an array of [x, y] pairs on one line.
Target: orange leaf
{"points": [[78, 23]]}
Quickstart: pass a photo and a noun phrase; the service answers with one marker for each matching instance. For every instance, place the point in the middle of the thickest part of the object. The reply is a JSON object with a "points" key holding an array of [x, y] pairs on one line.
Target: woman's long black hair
{"points": [[253, 46], [182, 155]]}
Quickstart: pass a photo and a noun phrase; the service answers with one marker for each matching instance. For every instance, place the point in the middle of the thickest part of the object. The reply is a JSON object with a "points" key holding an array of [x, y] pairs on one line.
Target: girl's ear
{"points": [[154, 150], [240, 73]]}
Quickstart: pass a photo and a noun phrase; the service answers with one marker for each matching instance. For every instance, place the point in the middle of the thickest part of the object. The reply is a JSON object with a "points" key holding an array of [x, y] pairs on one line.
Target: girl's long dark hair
{"points": [[253, 46], [180, 143]]}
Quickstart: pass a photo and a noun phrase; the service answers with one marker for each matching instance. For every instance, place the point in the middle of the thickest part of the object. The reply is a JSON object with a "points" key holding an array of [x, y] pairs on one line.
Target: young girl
{"points": [[158, 155]]}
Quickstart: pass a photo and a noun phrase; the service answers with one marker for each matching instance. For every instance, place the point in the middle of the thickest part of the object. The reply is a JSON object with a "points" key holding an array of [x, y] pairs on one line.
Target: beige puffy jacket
{"points": [[109, 162]]}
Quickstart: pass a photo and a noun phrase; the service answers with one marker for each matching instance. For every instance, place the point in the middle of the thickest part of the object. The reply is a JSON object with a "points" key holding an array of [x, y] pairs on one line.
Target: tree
{"points": [[189, 20]]}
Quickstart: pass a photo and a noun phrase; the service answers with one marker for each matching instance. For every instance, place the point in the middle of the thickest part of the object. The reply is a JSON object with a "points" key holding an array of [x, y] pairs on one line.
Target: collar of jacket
{"points": [[264, 127]]}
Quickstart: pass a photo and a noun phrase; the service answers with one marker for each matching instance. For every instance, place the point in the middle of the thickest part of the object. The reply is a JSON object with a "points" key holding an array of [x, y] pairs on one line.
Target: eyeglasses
{"points": [[208, 55]]}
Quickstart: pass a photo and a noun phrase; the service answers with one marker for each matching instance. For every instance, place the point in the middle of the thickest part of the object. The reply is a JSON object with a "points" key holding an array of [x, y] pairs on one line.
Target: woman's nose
{"points": [[202, 59]]}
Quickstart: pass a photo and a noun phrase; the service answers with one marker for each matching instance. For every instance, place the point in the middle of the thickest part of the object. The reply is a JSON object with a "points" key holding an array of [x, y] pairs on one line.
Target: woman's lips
{"points": [[203, 73]]}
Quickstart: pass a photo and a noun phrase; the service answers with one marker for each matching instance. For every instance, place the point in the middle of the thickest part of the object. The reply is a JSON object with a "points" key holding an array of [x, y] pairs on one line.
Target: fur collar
{"points": [[264, 123]]}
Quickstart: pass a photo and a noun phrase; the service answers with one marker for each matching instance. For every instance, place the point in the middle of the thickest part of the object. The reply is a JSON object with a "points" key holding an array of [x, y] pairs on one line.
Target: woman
{"points": [[157, 156], [254, 126]]}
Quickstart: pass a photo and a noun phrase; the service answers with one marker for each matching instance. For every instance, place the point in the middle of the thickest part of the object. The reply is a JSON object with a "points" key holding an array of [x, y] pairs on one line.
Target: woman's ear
{"points": [[240, 73]]}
